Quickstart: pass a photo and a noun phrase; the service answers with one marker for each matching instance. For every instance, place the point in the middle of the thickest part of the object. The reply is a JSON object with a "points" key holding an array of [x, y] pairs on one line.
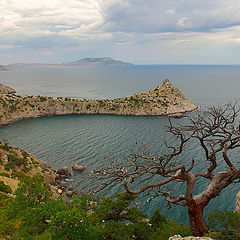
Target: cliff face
{"points": [[163, 100]]}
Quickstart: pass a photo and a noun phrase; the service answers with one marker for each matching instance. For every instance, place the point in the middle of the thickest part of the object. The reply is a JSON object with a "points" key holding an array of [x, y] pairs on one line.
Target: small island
{"points": [[163, 100]]}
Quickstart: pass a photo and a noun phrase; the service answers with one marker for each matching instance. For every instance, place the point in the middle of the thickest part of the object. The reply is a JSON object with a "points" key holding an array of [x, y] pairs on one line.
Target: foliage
{"points": [[118, 210], [170, 229], [5, 188], [157, 220], [227, 223], [224, 220], [33, 214]]}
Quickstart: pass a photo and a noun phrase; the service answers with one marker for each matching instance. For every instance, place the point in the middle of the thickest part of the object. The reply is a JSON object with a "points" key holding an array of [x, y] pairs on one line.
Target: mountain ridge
{"points": [[84, 62]]}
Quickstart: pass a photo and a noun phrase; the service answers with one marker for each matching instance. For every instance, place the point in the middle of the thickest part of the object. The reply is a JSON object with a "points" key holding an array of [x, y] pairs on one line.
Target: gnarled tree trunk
{"points": [[196, 219]]}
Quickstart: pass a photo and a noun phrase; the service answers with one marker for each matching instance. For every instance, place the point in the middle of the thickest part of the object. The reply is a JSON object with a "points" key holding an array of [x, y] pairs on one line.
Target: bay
{"points": [[91, 140]]}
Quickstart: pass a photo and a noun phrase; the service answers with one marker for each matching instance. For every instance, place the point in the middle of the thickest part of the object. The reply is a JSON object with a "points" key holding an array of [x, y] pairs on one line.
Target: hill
{"points": [[85, 62]]}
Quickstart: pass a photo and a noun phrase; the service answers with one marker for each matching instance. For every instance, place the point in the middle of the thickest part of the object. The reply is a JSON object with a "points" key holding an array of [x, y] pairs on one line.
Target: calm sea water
{"points": [[91, 140]]}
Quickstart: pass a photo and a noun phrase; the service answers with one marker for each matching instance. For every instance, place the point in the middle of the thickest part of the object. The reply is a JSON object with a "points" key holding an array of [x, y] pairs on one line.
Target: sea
{"points": [[95, 141]]}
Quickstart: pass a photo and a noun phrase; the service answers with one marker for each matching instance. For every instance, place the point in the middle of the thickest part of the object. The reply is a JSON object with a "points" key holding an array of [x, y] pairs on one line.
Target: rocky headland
{"points": [[3, 68], [163, 100], [6, 89]]}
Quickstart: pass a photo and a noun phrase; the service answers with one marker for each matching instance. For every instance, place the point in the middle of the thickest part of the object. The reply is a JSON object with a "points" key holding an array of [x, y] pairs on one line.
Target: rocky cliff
{"points": [[163, 100]]}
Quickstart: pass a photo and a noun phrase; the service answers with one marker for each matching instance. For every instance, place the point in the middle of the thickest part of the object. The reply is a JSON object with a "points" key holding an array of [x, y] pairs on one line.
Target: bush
{"points": [[157, 220], [170, 229], [5, 188], [226, 225], [224, 220], [13, 159]]}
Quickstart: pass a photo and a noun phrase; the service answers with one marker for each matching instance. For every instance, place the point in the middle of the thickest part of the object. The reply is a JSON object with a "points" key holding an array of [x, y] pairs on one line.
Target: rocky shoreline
{"points": [[164, 100], [15, 162]]}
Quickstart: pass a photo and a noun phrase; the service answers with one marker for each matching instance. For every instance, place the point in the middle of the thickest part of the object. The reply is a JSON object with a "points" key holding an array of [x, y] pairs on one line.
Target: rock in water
{"points": [[78, 168], [63, 171]]}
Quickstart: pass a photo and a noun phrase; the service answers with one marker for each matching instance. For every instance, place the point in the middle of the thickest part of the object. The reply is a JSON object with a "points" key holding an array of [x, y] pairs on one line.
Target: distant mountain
{"points": [[105, 61], [85, 62]]}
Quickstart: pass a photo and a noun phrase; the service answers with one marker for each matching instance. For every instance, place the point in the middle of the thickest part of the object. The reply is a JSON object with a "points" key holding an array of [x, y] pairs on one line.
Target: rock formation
{"points": [[237, 209], [78, 168], [6, 89], [164, 100], [3, 68]]}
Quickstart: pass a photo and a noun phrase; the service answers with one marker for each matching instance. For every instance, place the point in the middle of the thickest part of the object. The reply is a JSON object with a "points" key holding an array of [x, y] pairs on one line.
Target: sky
{"points": [[137, 31]]}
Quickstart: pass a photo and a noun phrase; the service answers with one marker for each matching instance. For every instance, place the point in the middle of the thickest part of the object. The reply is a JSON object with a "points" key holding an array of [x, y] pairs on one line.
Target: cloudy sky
{"points": [[139, 31]]}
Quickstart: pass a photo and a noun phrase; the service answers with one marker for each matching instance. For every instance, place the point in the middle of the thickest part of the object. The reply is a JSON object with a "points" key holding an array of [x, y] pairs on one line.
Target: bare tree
{"points": [[217, 131]]}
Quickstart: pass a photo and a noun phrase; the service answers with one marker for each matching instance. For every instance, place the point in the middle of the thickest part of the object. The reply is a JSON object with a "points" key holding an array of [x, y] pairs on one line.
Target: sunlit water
{"points": [[90, 140]]}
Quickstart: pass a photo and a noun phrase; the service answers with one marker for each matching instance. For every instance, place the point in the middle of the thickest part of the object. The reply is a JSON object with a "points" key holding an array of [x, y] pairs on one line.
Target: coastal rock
{"points": [[69, 193], [63, 171], [237, 209], [78, 168], [44, 164], [60, 191], [178, 237], [3, 68], [6, 89], [50, 177]]}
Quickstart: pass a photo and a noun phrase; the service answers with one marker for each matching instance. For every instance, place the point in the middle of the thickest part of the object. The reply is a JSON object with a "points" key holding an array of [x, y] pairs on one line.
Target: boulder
{"points": [[237, 209], [49, 177], [44, 164], [63, 171], [69, 193], [78, 168], [59, 191]]}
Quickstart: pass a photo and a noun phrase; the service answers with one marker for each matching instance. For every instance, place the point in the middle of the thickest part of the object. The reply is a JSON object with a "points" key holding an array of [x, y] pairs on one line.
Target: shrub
{"points": [[5, 175], [224, 220], [13, 159], [5, 188], [157, 220], [170, 229]]}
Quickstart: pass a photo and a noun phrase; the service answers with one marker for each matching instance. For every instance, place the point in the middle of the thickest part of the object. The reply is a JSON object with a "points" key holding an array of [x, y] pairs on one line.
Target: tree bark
{"points": [[196, 219]]}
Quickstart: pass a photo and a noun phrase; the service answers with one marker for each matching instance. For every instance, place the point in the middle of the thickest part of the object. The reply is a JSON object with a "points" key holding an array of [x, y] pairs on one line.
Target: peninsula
{"points": [[163, 100]]}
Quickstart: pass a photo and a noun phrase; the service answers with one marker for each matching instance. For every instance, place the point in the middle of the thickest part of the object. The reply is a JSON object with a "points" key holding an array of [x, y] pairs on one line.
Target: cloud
{"points": [[116, 27], [27, 18], [48, 53], [152, 16]]}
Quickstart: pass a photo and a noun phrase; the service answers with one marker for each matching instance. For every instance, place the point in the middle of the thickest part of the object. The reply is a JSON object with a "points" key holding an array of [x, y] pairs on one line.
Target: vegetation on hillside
{"points": [[31, 212]]}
